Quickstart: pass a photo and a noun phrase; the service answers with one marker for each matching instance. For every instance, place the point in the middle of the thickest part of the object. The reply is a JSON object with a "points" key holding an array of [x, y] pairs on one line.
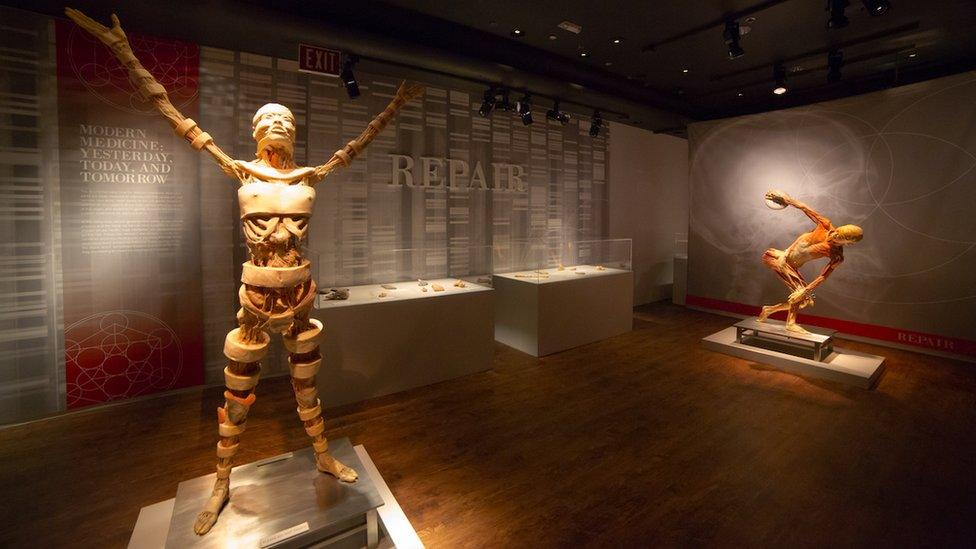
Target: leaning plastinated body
{"points": [[824, 241], [276, 198]]}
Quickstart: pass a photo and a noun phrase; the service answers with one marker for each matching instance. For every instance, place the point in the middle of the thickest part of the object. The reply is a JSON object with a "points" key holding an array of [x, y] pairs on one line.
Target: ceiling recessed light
{"points": [[552, 37], [584, 54], [685, 71], [739, 94], [877, 7], [569, 26], [517, 33], [607, 64], [779, 75], [912, 54], [617, 40]]}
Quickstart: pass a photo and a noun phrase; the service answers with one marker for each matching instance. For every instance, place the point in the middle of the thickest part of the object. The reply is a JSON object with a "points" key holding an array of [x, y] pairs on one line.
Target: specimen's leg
{"points": [[791, 324], [244, 348], [776, 261], [302, 341], [770, 309]]}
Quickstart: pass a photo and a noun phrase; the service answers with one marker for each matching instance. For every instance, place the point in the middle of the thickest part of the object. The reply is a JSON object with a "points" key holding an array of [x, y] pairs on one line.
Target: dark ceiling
{"points": [[640, 81], [915, 40]]}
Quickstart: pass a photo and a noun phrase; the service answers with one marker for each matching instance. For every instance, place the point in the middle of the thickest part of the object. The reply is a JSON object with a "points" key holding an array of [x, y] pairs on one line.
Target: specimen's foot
{"points": [[207, 517], [796, 328], [764, 314], [328, 464]]}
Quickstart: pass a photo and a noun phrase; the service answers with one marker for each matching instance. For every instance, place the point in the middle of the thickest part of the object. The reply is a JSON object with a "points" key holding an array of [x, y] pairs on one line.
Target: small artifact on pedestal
{"points": [[601, 268], [421, 282], [459, 284], [276, 199], [437, 287], [335, 293], [824, 241], [388, 286], [382, 294], [531, 275]]}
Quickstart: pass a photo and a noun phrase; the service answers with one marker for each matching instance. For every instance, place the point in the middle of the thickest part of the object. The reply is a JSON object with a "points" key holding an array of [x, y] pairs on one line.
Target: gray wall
{"points": [[900, 163], [359, 216], [649, 204]]}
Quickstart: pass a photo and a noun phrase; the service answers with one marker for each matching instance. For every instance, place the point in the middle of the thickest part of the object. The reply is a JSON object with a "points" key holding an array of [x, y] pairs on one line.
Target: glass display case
{"points": [[399, 273], [522, 258], [538, 260], [611, 253]]}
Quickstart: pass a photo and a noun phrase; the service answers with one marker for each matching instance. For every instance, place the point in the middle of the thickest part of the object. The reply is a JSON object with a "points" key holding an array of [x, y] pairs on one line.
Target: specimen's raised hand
{"points": [[114, 37], [150, 89], [344, 156], [779, 197], [409, 91]]}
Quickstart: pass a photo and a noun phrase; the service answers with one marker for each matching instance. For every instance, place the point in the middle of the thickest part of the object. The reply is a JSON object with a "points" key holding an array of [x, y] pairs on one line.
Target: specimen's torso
{"points": [[275, 207], [810, 246]]}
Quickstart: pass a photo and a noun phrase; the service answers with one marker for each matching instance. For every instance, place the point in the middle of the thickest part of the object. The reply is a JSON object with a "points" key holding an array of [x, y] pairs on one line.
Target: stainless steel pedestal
{"points": [[817, 344], [282, 502]]}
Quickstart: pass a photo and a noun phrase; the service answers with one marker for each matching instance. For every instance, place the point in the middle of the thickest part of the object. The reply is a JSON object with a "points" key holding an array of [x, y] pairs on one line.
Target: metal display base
{"points": [[817, 345], [282, 501], [837, 364], [395, 530]]}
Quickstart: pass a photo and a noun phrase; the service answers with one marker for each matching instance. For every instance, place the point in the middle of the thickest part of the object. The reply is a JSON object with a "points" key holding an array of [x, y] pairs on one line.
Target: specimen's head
{"points": [[274, 126], [845, 234]]}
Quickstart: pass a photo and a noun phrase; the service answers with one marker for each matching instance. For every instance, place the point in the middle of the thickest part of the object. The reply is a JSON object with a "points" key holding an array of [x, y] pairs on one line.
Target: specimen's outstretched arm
{"points": [[344, 156], [149, 88], [800, 293], [782, 198]]}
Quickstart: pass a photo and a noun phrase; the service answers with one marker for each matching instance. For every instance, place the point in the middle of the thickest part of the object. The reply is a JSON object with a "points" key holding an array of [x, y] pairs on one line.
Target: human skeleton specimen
{"points": [[824, 240], [276, 199]]}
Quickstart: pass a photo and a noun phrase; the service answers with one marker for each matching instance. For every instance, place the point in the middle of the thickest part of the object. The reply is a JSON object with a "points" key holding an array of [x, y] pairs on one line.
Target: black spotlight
{"points": [[555, 114], [779, 75], [348, 78], [835, 61], [595, 124], [835, 14], [487, 103], [732, 37], [877, 7], [523, 107]]}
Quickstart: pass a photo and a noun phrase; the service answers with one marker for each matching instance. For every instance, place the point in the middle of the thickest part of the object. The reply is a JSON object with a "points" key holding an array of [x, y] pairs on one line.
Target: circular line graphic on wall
{"points": [[119, 354], [96, 68]]}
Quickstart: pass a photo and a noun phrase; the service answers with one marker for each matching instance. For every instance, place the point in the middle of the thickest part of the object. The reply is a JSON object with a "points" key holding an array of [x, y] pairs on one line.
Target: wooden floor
{"points": [[644, 439]]}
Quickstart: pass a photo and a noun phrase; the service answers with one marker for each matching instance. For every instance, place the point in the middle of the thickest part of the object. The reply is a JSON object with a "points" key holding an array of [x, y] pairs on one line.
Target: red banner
{"points": [[129, 221], [935, 342]]}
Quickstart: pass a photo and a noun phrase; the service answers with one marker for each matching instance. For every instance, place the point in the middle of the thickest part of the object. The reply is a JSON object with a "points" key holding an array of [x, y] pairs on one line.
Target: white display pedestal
{"points": [[383, 527], [781, 350], [377, 346], [541, 316], [680, 288]]}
